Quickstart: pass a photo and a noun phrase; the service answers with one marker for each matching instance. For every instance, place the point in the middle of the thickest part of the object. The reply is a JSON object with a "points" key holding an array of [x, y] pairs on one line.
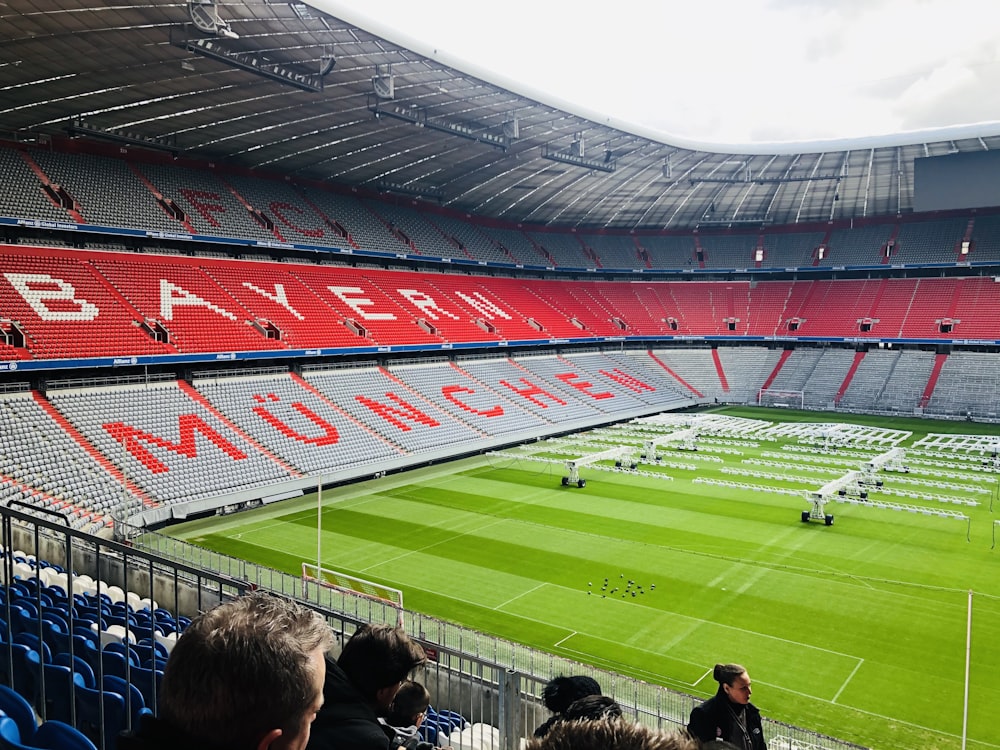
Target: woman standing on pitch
{"points": [[729, 715]]}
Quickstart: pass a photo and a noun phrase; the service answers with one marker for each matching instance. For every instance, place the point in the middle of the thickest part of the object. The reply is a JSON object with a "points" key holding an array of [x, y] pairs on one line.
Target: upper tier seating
{"points": [[477, 244], [721, 251], [23, 196], [562, 249], [427, 239], [210, 205], [670, 251], [790, 250], [294, 218], [518, 245], [857, 245], [985, 240], [928, 241], [123, 192], [614, 251], [584, 303], [368, 231], [109, 192], [358, 296]]}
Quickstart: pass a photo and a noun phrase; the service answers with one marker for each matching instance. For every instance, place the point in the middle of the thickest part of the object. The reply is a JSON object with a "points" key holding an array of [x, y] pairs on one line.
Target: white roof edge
{"points": [[886, 140]]}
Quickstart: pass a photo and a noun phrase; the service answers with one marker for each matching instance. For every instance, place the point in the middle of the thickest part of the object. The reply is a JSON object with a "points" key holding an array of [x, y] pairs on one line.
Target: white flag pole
{"points": [[319, 525], [968, 652]]}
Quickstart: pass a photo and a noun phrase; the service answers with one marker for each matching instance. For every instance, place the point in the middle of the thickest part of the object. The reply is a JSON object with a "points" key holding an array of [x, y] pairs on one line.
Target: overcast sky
{"points": [[728, 71]]}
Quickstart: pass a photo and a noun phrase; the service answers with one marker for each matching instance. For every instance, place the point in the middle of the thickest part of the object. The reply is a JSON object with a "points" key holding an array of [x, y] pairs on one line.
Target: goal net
{"points": [[373, 602], [781, 398]]}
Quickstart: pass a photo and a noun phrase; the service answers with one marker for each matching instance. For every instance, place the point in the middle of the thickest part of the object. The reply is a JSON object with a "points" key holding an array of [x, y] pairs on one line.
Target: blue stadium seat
{"points": [[59, 688], [56, 735], [10, 737], [14, 706], [90, 719], [135, 704]]}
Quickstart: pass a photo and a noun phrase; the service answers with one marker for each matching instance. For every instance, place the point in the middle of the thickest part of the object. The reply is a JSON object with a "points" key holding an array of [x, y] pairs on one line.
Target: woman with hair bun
{"points": [[729, 715]]}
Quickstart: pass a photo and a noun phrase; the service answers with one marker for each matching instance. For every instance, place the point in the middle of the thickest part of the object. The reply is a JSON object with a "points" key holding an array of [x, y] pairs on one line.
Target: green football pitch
{"points": [[856, 630]]}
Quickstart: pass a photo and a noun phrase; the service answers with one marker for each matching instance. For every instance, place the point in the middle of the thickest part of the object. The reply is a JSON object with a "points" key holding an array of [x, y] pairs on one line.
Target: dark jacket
{"points": [[405, 737], [156, 734], [714, 720], [346, 721]]}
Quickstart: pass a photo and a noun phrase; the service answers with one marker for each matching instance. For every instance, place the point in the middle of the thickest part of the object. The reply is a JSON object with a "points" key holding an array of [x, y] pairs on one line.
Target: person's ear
{"points": [[270, 740]]}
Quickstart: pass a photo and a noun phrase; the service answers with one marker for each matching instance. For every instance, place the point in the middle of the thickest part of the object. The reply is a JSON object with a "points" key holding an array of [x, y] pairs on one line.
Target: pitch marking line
{"points": [[849, 677], [525, 593], [708, 673], [561, 642]]}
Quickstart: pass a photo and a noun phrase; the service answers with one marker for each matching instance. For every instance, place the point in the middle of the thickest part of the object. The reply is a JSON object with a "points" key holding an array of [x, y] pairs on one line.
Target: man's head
{"points": [[248, 674], [610, 734], [377, 659]]}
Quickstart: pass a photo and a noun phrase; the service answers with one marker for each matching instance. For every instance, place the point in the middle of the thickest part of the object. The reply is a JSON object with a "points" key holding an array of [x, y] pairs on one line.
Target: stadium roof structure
{"points": [[289, 89]]}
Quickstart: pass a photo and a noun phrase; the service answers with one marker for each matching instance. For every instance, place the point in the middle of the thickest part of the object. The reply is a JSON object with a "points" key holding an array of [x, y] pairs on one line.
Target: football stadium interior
{"points": [[263, 267]]}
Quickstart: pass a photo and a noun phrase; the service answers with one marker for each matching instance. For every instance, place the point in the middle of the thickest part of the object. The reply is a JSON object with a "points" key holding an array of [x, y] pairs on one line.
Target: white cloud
{"points": [[731, 70]]}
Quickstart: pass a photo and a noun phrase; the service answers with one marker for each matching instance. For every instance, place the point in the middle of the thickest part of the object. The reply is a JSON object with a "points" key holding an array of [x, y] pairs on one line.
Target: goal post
{"points": [[789, 399], [375, 602]]}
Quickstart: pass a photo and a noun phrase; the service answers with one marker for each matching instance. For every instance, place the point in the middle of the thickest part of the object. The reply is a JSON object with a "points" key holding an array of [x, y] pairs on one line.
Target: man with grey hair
{"points": [[245, 675]]}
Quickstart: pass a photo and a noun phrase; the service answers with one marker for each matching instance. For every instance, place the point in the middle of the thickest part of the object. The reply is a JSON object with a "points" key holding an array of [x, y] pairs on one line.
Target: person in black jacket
{"points": [[361, 685], [729, 715]]}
